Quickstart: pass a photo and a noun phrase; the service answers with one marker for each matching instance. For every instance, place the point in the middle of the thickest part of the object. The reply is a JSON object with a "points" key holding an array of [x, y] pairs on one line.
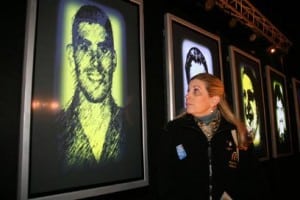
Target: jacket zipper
{"points": [[210, 186]]}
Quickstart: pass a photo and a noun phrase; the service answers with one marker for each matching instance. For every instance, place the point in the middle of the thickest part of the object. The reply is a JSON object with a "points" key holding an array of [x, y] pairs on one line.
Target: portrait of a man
{"points": [[87, 124], [97, 137], [280, 114], [196, 58], [195, 63], [249, 97], [250, 103], [92, 122], [190, 50]]}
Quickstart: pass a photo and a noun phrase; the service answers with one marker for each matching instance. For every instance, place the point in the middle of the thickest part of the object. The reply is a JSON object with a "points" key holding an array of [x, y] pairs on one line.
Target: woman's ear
{"points": [[215, 100]]}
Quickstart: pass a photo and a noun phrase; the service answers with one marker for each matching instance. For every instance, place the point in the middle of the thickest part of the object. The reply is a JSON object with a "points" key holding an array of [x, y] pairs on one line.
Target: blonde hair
{"points": [[215, 87]]}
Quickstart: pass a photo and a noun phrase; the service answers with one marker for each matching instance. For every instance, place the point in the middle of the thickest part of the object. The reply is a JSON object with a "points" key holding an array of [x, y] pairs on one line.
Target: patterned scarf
{"points": [[209, 124]]}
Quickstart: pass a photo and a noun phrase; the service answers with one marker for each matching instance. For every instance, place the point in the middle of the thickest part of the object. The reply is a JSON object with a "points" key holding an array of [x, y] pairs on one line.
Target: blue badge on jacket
{"points": [[180, 152]]}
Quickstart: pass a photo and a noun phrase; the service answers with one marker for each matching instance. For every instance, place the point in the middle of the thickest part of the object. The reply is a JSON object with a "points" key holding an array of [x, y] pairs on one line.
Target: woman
{"points": [[206, 153]]}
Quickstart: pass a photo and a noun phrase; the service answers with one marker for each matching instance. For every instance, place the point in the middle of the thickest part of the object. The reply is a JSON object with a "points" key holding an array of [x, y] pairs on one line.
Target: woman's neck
{"points": [[207, 118]]}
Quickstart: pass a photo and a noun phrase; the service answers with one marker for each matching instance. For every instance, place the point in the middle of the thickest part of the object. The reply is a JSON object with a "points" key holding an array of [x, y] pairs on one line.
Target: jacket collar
{"points": [[188, 120]]}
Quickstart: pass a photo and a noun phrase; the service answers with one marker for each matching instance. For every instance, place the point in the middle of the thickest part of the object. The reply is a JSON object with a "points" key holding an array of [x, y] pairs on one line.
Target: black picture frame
{"points": [[280, 122], [248, 94], [48, 86], [189, 50], [296, 95]]}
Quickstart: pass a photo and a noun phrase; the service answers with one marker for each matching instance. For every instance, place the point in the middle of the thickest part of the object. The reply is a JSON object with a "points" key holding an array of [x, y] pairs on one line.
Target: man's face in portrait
{"points": [[94, 60], [280, 117], [250, 104], [195, 63]]}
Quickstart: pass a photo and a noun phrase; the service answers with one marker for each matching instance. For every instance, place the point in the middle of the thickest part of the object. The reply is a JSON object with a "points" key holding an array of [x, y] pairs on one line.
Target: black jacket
{"points": [[184, 156]]}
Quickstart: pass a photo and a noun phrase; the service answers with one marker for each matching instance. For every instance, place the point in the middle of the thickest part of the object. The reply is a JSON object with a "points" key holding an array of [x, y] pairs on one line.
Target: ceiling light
{"points": [[271, 49]]}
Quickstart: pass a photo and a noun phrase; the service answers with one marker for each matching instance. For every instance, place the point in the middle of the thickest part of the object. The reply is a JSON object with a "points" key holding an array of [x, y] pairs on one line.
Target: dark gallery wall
{"points": [[281, 172], [12, 42]]}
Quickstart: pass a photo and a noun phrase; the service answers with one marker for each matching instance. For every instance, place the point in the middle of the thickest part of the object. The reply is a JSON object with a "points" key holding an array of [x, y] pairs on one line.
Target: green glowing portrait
{"points": [[92, 120], [250, 104]]}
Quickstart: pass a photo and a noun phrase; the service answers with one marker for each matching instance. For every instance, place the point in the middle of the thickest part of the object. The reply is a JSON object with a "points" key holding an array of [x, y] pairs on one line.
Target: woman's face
{"points": [[198, 102]]}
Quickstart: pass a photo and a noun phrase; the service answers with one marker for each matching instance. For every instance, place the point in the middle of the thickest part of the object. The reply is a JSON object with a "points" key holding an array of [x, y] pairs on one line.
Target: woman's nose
{"points": [[187, 95]]}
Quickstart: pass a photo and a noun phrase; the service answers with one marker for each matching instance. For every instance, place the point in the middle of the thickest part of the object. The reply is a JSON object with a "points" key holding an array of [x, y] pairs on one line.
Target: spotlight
{"points": [[271, 49]]}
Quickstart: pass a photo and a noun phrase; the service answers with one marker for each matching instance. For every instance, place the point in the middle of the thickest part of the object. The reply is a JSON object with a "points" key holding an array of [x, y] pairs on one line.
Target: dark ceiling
{"points": [[282, 14]]}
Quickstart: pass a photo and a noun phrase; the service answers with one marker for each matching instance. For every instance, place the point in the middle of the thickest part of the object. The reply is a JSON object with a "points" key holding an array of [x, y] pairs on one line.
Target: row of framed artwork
{"points": [[191, 50], [52, 77]]}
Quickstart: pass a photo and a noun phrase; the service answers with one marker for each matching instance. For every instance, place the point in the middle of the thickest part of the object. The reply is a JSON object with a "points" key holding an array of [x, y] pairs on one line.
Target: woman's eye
{"points": [[196, 91]]}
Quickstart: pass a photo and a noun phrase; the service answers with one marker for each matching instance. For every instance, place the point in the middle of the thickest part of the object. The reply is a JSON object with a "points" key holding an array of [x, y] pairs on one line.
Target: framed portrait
{"points": [[248, 96], [296, 94], [279, 113], [83, 120], [189, 50]]}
